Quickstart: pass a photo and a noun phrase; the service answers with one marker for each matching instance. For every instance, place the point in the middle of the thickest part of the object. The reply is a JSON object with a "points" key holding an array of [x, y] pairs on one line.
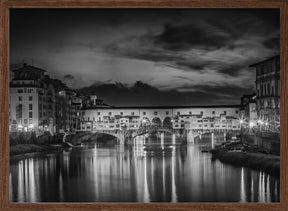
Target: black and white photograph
{"points": [[144, 105]]}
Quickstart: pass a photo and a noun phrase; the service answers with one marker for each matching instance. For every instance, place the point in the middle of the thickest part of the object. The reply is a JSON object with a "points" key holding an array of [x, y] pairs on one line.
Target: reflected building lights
{"points": [[242, 191], [101, 174], [20, 182], [268, 190], [61, 187], [174, 194], [31, 181], [163, 175], [146, 191], [11, 187], [252, 188]]}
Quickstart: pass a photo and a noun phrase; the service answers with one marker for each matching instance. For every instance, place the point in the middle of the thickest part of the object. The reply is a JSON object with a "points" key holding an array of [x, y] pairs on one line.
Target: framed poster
{"points": [[143, 105]]}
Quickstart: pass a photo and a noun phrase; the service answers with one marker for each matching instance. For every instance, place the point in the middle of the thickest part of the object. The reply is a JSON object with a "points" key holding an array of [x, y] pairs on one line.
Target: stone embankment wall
{"points": [[269, 142]]}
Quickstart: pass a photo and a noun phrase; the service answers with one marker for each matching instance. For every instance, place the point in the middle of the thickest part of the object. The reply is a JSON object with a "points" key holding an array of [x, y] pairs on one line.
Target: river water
{"points": [[157, 170]]}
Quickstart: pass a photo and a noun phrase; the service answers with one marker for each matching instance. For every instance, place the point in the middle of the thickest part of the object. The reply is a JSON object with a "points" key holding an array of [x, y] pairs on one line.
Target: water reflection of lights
{"points": [[174, 194], [26, 182], [144, 173], [242, 190]]}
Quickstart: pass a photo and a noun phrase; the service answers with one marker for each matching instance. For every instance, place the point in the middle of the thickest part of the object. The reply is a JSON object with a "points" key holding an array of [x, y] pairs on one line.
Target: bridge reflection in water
{"points": [[148, 171]]}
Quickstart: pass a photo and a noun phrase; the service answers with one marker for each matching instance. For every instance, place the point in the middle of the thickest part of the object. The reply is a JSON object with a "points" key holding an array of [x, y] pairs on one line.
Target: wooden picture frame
{"points": [[5, 5]]}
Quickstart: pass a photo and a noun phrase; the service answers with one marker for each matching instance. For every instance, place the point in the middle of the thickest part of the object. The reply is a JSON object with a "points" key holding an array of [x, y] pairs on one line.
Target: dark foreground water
{"points": [[154, 171]]}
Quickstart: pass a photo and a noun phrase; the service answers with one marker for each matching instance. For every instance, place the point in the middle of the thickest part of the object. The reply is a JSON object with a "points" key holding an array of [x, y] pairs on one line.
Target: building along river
{"points": [[154, 169]]}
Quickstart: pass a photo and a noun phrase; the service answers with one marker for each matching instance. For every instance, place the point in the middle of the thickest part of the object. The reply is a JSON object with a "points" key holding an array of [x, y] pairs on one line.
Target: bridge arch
{"points": [[167, 123], [145, 122], [93, 136], [156, 121]]}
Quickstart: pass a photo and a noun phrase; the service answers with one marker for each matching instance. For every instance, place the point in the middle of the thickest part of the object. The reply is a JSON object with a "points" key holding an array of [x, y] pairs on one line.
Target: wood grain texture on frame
{"points": [[4, 160]]}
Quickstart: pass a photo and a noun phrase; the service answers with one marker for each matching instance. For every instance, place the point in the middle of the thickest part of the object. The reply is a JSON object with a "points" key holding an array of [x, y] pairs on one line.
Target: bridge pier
{"points": [[212, 140], [162, 139], [121, 139], [173, 139], [190, 137]]}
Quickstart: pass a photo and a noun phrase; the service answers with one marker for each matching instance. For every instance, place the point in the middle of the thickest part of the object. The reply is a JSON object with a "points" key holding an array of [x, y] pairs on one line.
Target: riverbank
{"points": [[26, 150], [254, 160]]}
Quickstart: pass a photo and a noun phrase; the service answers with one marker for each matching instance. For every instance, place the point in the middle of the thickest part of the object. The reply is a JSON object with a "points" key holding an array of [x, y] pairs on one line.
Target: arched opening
{"points": [[167, 123], [145, 122], [156, 122]]}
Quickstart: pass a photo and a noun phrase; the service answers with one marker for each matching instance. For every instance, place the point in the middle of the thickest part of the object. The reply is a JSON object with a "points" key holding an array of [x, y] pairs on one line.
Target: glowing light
{"points": [[31, 126], [20, 126], [251, 124], [266, 123], [241, 121]]}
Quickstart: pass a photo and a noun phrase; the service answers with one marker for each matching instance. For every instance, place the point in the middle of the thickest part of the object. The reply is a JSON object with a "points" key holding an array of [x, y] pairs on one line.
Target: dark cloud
{"points": [[143, 94], [165, 47], [232, 69], [273, 43], [188, 36], [68, 77], [228, 90], [192, 65]]}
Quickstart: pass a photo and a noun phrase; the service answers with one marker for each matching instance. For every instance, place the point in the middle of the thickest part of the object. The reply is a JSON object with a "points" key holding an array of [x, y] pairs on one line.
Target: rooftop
{"points": [[28, 68]]}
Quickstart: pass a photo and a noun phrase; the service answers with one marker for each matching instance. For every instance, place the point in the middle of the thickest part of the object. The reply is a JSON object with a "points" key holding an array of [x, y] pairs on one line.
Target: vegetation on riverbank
{"points": [[32, 148], [255, 160], [25, 146]]}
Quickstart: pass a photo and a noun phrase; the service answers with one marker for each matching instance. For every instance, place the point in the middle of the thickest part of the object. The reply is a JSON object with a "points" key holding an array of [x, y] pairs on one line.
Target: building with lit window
{"points": [[131, 118], [248, 110], [268, 92], [31, 101]]}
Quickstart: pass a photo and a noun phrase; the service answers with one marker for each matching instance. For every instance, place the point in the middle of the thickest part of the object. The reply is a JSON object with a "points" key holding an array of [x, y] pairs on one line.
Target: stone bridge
{"points": [[78, 138], [122, 135]]}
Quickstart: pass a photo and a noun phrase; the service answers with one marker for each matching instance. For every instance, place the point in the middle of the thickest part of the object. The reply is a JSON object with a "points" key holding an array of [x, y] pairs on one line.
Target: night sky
{"points": [[148, 56]]}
